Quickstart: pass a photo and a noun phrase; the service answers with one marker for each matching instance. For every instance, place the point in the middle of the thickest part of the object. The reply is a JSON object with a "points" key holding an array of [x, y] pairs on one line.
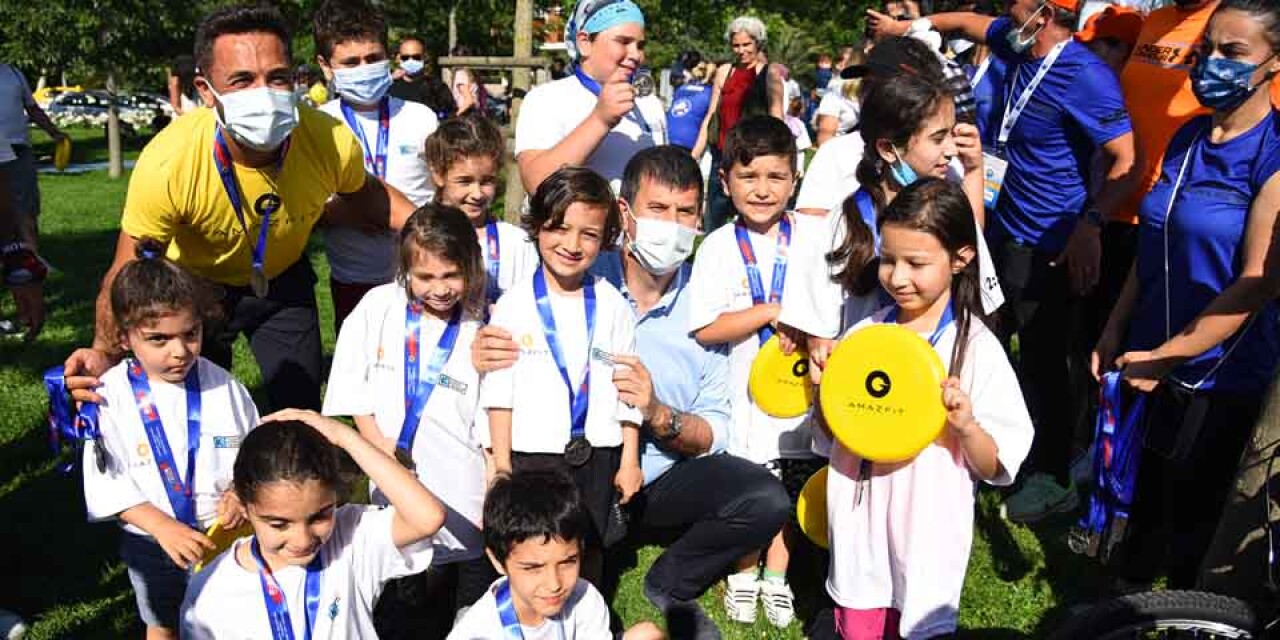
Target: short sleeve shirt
{"points": [[177, 197], [1204, 231], [584, 616], [15, 97], [1077, 107], [553, 110], [688, 109]]}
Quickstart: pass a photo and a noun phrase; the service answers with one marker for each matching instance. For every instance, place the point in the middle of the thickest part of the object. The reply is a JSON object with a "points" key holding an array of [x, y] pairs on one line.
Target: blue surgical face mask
{"points": [[411, 67], [902, 172], [363, 85], [1021, 43], [1223, 84]]}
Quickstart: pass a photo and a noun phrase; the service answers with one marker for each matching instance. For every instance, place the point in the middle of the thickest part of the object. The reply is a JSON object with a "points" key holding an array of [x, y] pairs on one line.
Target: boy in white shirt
{"points": [[736, 301], [170, 427], [351, 48], [558, 406], [534, 528]]}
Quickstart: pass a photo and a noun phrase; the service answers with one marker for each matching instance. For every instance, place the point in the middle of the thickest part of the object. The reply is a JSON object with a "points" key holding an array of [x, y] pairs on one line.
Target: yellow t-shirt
{"points": [[176, 196]]}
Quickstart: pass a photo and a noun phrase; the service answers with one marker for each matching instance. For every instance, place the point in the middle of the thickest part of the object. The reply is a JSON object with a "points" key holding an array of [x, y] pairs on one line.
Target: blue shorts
{"points": [[158, 583]]}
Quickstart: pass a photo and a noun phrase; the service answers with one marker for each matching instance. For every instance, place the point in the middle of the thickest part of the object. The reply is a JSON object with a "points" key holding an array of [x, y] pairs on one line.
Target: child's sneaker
{"points": [[740, 593], [778, 602]]}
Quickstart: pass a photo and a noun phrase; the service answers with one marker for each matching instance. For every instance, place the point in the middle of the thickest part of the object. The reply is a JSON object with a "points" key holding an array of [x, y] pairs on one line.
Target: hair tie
{"points": [[149, 253]]}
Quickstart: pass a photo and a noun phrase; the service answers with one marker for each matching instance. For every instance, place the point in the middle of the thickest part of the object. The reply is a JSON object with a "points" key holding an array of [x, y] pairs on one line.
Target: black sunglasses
{"points": [[413, 56]]}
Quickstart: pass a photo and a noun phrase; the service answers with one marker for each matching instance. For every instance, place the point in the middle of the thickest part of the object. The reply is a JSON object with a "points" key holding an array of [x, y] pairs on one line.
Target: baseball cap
{"points": [[1115, 23], [889, 56]]}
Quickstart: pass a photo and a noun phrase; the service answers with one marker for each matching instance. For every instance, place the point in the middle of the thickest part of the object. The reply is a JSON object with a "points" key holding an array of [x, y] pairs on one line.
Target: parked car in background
{"points": [[89, 108]]}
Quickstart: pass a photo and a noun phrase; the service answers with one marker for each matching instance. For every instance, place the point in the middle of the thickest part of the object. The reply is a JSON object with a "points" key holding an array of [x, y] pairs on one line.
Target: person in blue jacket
{"points": [[1196, 319], [689, 105]]}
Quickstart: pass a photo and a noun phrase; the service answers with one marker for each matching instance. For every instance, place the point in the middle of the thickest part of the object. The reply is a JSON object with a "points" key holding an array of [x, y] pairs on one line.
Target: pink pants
{"points": [[867, 624]]}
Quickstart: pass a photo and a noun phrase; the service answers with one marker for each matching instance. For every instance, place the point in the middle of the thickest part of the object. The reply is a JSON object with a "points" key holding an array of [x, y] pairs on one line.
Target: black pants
{"points": [[595, 484], [719, 207], [718, 508], [424, 605], [1177, 504], [1040, 309], [283, 330]]}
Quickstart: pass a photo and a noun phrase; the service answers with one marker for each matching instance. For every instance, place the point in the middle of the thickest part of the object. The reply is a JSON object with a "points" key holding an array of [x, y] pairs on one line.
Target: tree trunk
{"points": [[453, 26], [520, 83], [115, 159]]}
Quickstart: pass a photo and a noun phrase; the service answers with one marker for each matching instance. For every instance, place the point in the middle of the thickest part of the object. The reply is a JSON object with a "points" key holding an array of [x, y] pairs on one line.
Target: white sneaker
{"points": [[778, 602], [11, 626], [740, 593]]}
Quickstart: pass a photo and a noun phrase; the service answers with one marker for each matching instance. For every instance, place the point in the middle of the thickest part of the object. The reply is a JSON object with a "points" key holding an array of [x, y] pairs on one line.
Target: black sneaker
{"points": [[686, 620]]}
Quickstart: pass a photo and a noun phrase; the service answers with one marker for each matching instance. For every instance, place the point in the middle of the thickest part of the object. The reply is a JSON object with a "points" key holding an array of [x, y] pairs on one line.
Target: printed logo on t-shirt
{"points": [[452, 384], [408, 150], [143, 449], [527, 347], [1167, 54], [333, 608], [600, 355], [681, 107]]}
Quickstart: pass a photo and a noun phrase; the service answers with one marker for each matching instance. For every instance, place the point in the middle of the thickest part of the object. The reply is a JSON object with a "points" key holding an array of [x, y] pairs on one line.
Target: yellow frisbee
{"points": [[881, 393], [62, 154], [811, 508], [779, 384], [222, 539]]}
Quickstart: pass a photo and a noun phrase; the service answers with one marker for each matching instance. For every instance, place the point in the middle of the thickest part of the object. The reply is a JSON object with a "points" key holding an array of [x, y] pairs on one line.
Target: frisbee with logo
{"points": [[811, 508], [222, 539], [881, 393], [779, 384], [62, 154]]}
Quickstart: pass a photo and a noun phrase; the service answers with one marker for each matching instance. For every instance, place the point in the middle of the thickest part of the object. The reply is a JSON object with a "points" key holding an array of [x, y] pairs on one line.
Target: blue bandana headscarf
{"points": [[594, 16]]}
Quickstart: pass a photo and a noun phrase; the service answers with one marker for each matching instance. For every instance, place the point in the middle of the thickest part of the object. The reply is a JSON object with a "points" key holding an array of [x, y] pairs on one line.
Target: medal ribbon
{"points": [[578, 401], [492, 261], [277, 606], [180, 492], [65, 423], [753, 271], [507, 612], [418, 390], [227, 172], [375, 161]]}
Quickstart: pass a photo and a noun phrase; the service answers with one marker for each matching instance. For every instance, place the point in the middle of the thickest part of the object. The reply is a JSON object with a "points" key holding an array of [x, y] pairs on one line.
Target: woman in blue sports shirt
{"points": [[1195, 320]]}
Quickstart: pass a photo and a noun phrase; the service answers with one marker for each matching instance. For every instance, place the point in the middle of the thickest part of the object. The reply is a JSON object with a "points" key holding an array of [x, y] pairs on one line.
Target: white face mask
{"points": [[661, 246], [365, 84], [259, 118]]}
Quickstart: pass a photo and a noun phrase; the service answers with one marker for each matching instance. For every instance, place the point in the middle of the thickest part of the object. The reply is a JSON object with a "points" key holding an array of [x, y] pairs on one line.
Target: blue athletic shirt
{"points": [[1077, 107], [988, 93], [1206, 245], [689, 106]]}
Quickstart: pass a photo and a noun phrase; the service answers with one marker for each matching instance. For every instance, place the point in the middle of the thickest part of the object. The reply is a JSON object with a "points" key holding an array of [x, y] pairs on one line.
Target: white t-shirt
{"points": [[585, 616], [832, 174], [843, 109], [517, 255], [357, 257], [227, 413], [367, 378], [533, 389], [816, 304], [15, 97], [719, 285], [225, 601], [906, 543], [553, 110]]}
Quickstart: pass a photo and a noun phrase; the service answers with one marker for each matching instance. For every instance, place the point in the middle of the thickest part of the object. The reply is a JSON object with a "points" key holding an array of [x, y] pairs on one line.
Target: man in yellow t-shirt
{"points": [[208, 185]]}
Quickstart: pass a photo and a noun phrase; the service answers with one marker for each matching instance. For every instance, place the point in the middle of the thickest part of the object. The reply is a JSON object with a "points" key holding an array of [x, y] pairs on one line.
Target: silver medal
{"points": [[644, 83], [258, 282]]}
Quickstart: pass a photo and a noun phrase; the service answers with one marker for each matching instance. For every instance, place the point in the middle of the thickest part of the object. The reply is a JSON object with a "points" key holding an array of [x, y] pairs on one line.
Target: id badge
{"points": [[994, 168]]}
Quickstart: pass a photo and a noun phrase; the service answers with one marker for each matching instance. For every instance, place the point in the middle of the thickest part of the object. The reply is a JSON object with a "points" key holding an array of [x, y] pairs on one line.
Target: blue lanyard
{"points": [[594, 87], [511, 629], [492, 261], [867, 208], [65, 423], [753, 270], [578, 401], [945, 321], [180, 492], [278, 606], [227, 172], [418, 390], [377, 162]]}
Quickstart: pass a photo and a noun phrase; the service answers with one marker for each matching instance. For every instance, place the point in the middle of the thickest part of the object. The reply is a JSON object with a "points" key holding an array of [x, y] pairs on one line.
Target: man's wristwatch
{"points": [[674, 425]]}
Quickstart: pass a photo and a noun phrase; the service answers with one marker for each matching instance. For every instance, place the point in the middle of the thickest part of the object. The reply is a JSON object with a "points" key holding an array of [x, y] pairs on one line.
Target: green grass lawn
{"points": [[63, 575]]}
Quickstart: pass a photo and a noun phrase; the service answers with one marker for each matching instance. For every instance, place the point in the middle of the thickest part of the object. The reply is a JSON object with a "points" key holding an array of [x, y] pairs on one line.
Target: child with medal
{"points": [[313, 569], [558, 406], [737, 288], [402, 370], [901, 532], [465, 156], [170, 427]]}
